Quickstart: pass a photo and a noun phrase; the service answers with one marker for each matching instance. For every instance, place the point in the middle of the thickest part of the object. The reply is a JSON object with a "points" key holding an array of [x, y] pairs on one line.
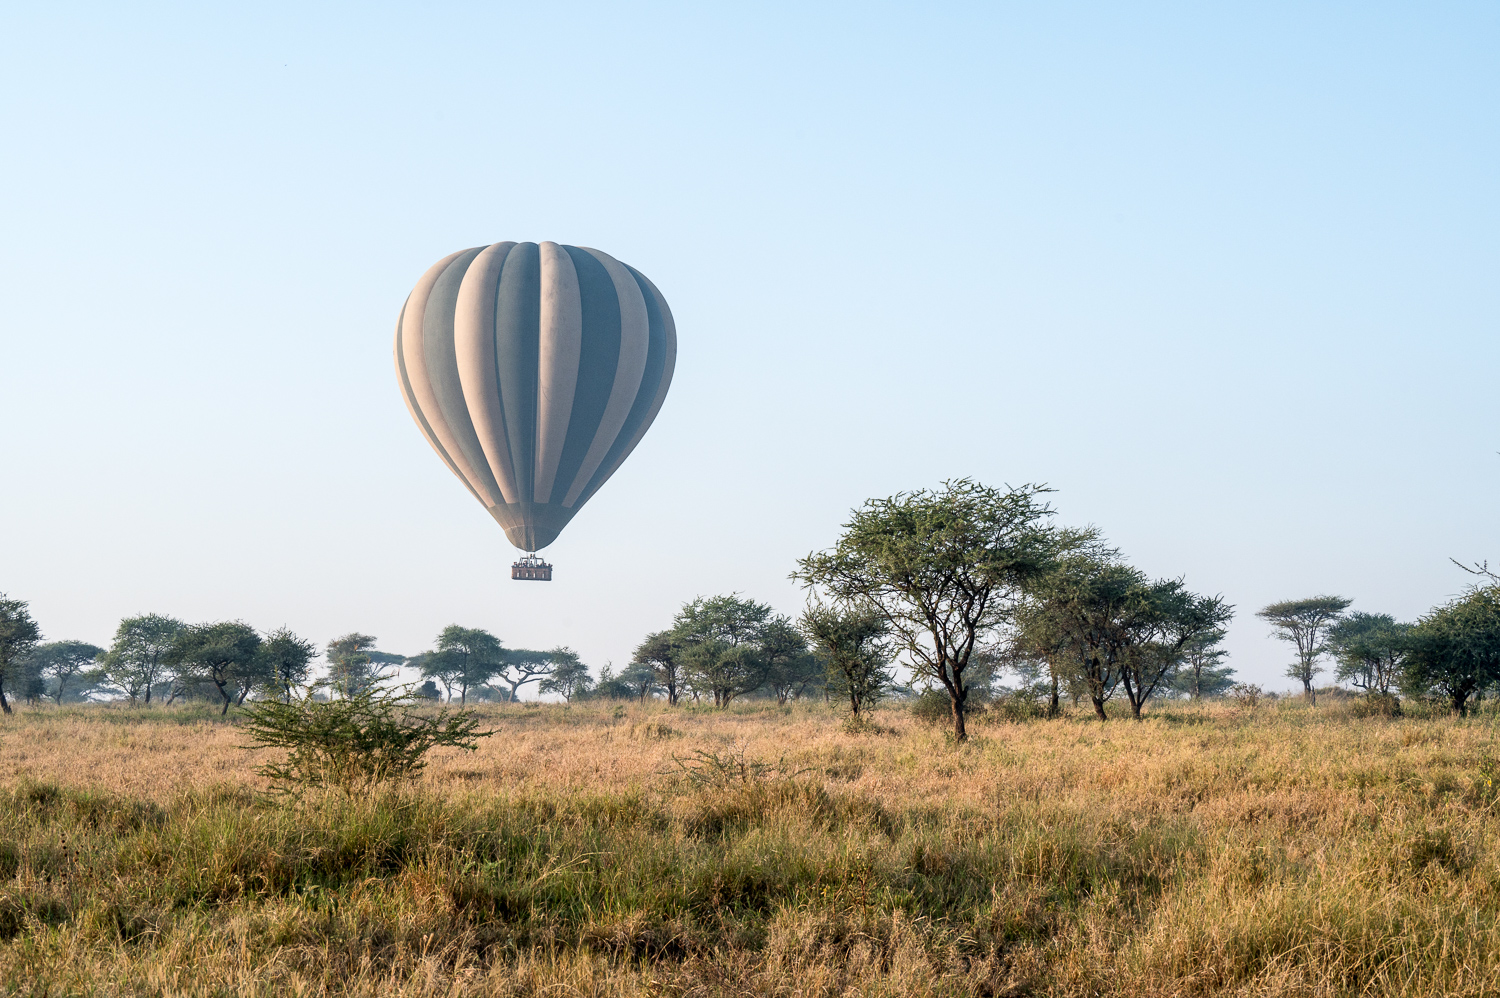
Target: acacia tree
{"points": [[519, 666], [1455, 649], [640, 679], [225, 654], [1305, 623], [385, 659], [352, 664], [611, 686], [944, 569], [569, 677], [465, 657], [1127, 631], [1080, 600], [1040, 643], [136, 661], [1167, 619], [1203, 672], [178, 679], [1370, 649], [661, 652], [18, 636], [58, 662], [438, 669], [790, 667], [286, 661], [722, 639], [855, 653]]}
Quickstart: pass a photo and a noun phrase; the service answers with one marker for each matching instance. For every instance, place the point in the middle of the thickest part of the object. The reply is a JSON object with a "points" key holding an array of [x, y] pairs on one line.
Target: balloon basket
{"points": [[531, 569]]}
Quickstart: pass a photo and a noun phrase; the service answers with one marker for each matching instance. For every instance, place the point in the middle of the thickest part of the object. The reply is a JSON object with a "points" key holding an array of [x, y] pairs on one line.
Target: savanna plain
{"points": [[1212, 848]]}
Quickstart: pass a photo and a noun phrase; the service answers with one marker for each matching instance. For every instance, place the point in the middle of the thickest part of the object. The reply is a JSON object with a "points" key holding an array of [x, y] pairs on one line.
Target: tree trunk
{"points": [[959, 732], [1053, 707], [1099, 708], [1135, 708], [4, 703]]}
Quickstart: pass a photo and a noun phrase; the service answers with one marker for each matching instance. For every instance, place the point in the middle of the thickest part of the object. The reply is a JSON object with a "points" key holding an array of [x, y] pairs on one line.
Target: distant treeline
{"points": [[971, 591]]}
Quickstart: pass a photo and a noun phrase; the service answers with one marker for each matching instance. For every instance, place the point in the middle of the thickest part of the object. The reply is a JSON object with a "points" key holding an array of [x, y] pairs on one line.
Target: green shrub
{"points": [[1245, 696], [705, 768], [1376, 705], [354, 741], [1025, 704], [864, 724], [932, 707]]}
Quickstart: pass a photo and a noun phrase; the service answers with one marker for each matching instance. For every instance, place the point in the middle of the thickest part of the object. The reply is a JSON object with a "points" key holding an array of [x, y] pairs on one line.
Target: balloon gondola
{"points": [[531, 569], [534, 370]]}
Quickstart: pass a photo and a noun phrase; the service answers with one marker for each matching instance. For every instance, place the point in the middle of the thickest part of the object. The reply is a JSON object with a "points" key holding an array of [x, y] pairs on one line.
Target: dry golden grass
{"points": [[1291, 851]]}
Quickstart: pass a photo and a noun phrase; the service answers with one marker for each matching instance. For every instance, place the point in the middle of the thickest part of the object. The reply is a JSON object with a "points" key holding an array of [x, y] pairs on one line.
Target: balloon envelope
{"points": [[534, 370]]}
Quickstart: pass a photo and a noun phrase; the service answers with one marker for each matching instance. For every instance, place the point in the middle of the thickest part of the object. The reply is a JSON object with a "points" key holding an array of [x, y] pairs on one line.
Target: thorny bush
{"points": [[353, 742]]}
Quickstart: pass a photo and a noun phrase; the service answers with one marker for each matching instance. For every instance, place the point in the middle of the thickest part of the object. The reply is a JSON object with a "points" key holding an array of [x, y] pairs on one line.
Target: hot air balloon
{"points": [[534, 370]]}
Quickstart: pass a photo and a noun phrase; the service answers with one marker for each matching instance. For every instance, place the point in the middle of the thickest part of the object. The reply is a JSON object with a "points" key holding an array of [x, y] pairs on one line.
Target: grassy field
{"points": [[592, 851]]}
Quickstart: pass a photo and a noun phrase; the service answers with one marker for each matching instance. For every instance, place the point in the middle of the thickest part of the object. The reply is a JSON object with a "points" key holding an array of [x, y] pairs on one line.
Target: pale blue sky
{"points": [[1224, 275]]}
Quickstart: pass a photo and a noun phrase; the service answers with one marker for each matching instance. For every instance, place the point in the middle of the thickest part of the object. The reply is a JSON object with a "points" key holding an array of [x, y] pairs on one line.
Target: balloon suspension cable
{"points": [[531, 568]]}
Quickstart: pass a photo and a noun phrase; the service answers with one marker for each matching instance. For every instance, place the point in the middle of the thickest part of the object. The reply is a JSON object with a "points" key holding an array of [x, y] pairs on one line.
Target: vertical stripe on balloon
{"points": [[559, 348], [416, 414], [442, 372], [517, 316], [474, 348], [661, 361], [635, 335], [599, 357], [415, 355]]}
